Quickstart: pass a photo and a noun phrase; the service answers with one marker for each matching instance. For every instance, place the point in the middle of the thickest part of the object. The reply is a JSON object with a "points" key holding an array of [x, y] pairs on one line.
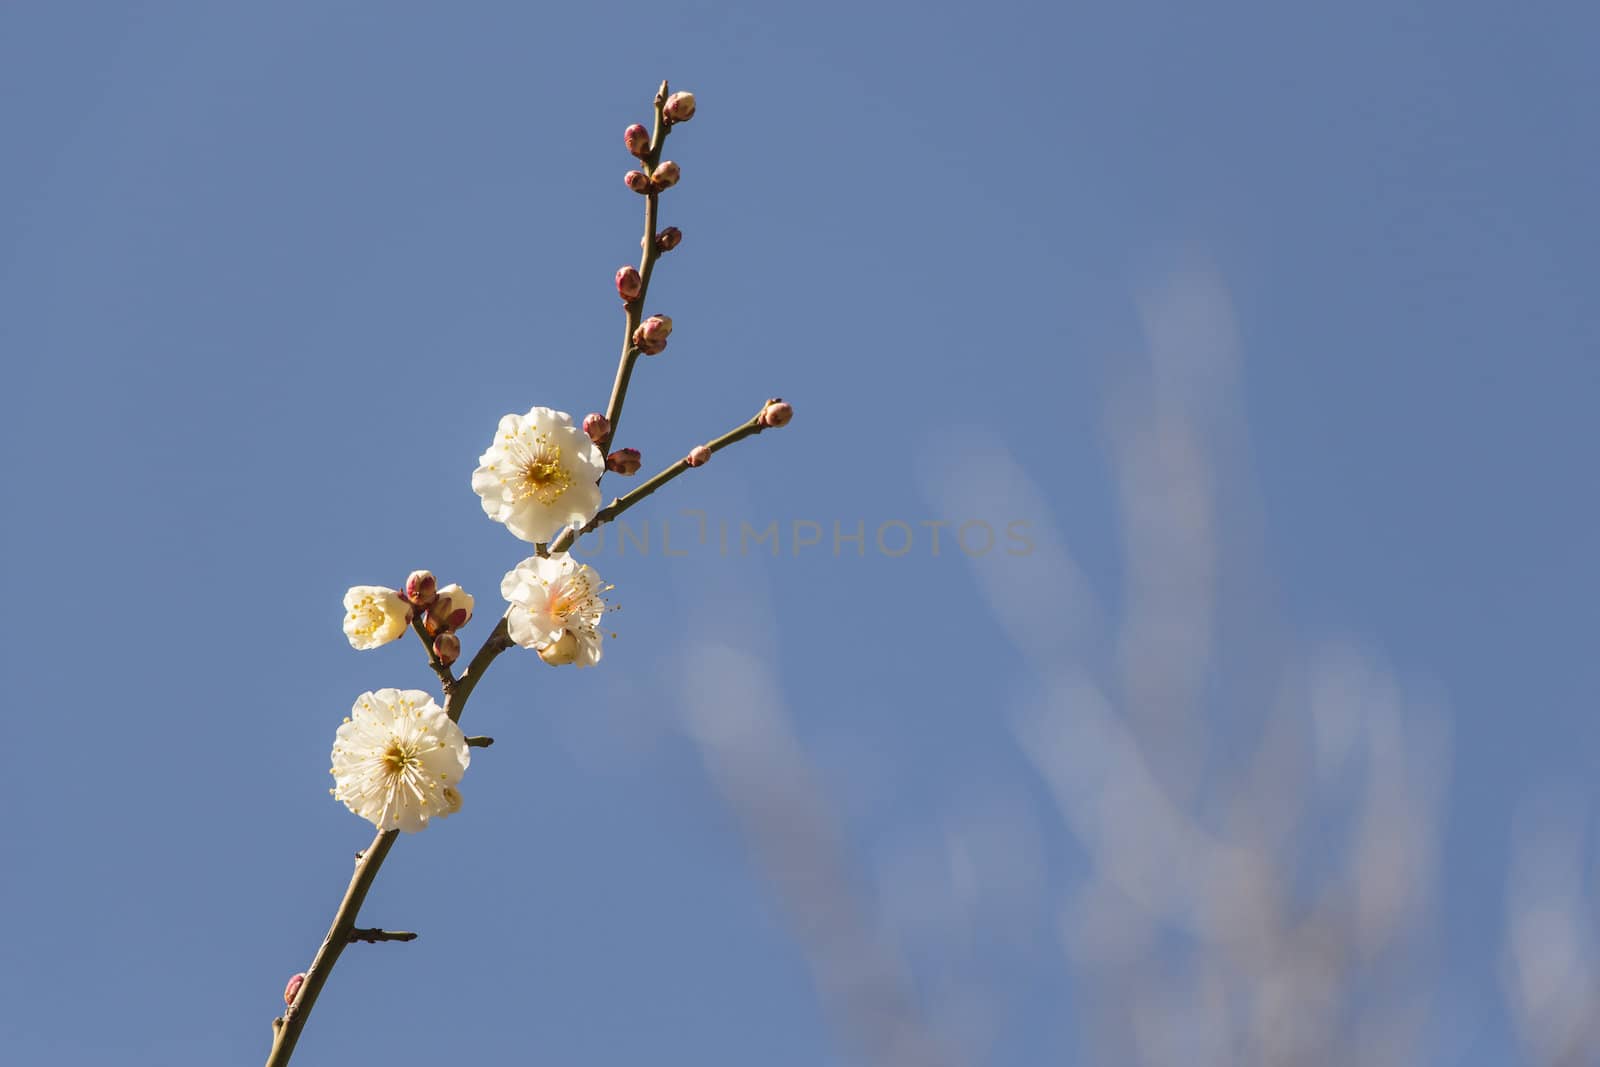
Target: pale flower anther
{"points": [[540, 475], [556, 604], [398, 759], [374, 615]]}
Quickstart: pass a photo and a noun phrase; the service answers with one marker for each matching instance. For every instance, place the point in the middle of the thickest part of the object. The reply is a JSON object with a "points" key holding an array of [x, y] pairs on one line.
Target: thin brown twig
{"points": [[447, 680], [372, 935], [622, 503], [649, 253], [286, 1029]]}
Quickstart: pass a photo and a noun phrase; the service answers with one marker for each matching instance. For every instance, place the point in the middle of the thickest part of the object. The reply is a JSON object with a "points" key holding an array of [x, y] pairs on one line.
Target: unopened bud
{"points": [[679, 107], [292, 990], [562, 651], [698, 455], [597, 426], [668, 239], [651, 334], [665, 176], [637, 138], [776, 413], [421, 588], [624, 461], [629, 284], [637, 180], [451, 610], [447, 648]]}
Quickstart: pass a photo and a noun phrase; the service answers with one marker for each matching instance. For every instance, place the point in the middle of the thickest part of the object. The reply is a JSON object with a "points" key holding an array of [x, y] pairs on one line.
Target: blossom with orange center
{"points": [[556, 607]]}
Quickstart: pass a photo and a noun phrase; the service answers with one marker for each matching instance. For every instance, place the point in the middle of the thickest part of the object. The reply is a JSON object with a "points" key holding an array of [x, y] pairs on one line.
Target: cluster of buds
{"points": [[445, 610], [776, 412], [664, 177], [624, 461], [651, 334]]}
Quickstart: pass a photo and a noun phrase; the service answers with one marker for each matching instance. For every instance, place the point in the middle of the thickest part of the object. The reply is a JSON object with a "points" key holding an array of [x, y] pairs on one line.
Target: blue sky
{"points": [[1273, 325]]}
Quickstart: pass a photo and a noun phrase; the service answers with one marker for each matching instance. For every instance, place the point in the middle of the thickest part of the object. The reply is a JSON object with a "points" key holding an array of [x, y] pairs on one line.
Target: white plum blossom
{"points": [[374, 615], [397, 760], [556, 607], [540, 475]]}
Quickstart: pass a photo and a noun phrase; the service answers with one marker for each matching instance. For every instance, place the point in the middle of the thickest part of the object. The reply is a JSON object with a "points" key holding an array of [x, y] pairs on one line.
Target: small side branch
{"points": [[649, 253], [373, 936], [628, 500], [479, 741]]}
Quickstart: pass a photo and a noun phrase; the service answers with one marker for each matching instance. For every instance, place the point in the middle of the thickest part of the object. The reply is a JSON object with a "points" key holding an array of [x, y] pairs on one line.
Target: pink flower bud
{"points": [[450, 611], [665, 176], [776, 413], [624, 461], [292, 990], [597, 426], [637, 138], [629, 284], [698, 456], [447, 647], [651, 334], [637, 180], [421, 588], [562, 651], [679, 107], [668, 239]]}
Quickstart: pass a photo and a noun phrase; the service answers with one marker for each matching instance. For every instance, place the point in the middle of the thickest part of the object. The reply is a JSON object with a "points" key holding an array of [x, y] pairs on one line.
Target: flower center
{"points": [[399, 758], [569, 597], [368, 617], [539, 472]]}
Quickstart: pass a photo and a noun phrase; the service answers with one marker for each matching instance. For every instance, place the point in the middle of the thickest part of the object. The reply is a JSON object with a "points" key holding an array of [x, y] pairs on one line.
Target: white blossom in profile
{"points": [[540, 475], [374, 615], [556, 607], [397, 760]]}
